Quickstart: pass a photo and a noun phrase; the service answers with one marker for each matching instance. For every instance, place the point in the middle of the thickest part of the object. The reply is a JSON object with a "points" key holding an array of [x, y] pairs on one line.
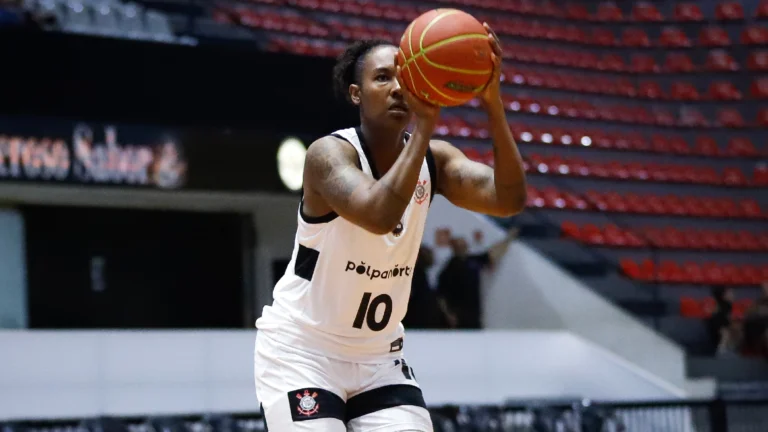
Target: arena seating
{"points": [[112, 18], [631, 153]]}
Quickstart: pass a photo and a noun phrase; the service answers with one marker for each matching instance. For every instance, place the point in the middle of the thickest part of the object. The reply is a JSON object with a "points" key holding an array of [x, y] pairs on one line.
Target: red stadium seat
{"points": [[634, 240], [608, 11], [616, 202], [682, 90], [674, 238], [731, 117], [664, 117], [637, 203], [643, 63], [553, 198], [644, 271], [758, 61], [759, 88], [630, 268], [635, 37], [576, 11], [650, 90], [729, 10], [762, 9], [646, 12], [614, 236], [721, 61], [570, 230], [534, 198], [713, 274], [694, 274], [763, 239], [603, 37], [692, 117], [714, 37], [694, 239], [670, 271], [751, 209], [741, 146], [688, 12], [679, 145], [691, 308], [734, 177], [760, 175], [592, 234], [706, 145], [755, 35], [762, 117], [674, 37], [575, 202], [724, 90], [678, 62], [660, 144]]}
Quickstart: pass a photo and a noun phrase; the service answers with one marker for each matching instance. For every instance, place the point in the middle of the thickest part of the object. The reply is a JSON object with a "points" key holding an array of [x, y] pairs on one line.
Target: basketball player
{"points": [[329, 349]]}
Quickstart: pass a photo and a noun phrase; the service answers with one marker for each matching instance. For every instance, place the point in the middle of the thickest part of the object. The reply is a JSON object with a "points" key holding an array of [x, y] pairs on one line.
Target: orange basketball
{"points": [[445, 57]]}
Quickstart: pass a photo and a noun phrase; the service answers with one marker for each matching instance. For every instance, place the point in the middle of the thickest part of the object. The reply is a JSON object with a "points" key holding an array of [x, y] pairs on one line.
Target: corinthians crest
{"points": [[307, 403], [420, 194]]}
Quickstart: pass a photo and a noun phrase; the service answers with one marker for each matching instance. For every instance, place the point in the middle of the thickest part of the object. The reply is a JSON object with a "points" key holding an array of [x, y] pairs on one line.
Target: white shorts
{"points": [[302, 392]]}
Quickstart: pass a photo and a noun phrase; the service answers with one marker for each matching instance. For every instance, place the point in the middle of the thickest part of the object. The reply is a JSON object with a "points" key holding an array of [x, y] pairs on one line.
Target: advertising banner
{"points": [[56, 151]]}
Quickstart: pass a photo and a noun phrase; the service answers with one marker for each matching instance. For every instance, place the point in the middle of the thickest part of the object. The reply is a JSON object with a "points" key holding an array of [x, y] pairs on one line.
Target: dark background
{"points": [[100, 79], [160, 269]]}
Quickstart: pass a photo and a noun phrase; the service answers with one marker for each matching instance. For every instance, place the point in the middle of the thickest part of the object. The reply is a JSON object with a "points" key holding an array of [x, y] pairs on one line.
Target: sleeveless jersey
{"points": [[346, 290]]}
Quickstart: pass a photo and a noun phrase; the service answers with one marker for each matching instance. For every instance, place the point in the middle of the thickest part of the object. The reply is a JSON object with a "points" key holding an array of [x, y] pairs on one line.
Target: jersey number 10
{"points": [[367, 312]]}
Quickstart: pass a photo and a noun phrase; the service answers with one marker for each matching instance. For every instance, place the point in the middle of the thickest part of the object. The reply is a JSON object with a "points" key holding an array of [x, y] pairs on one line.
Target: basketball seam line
{"points": [[450, 68], [422, 52], [429, 83]]}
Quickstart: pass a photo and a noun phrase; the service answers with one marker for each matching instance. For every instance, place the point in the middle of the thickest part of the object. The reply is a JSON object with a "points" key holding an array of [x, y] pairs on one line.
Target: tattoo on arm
{"points": [[470, 177], [329, 168]]}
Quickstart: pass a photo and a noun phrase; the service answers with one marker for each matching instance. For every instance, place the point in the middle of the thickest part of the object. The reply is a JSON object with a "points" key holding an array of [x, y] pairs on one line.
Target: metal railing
{"points": [[575, 415]]}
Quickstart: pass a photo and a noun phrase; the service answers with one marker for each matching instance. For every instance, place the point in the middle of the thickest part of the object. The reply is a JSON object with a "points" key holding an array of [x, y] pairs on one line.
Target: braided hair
{"points": [[349, 65]]}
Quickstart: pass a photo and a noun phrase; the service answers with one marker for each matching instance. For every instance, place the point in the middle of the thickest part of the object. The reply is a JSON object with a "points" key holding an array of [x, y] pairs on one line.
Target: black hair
{"points": [[349, 65]]}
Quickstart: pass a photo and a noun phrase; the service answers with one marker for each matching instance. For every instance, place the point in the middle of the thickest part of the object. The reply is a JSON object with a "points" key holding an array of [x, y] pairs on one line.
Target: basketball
{"points": [[445, 57]]}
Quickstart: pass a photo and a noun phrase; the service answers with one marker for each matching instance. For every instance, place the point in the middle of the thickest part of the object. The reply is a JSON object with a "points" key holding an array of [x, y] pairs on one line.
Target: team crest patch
{"points": [[307, 403], [421, 193]]}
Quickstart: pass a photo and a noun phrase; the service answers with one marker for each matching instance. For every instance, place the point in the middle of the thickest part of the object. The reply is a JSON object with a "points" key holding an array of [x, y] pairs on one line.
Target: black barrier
{"points": [[541, 416], [107, 79], [55, 151]]}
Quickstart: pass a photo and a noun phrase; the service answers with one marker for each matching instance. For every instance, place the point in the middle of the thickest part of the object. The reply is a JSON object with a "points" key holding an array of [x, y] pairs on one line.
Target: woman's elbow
{"points": [[513, 205]]}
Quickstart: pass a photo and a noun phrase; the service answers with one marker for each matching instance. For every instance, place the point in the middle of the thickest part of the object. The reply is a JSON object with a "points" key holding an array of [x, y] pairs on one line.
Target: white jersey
{"points": [[346, 290]]}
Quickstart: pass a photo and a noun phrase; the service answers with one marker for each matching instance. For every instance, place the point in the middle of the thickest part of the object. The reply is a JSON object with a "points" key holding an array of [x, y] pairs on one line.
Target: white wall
{"points": [[50, 374], [13, 273], [275, 224]]}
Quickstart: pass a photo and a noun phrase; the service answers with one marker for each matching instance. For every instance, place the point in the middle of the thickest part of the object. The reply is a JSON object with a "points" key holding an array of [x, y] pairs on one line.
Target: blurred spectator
{"points": [[422, 306], [731, 339], [719, 322], [756, 326], [459, 282]]}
